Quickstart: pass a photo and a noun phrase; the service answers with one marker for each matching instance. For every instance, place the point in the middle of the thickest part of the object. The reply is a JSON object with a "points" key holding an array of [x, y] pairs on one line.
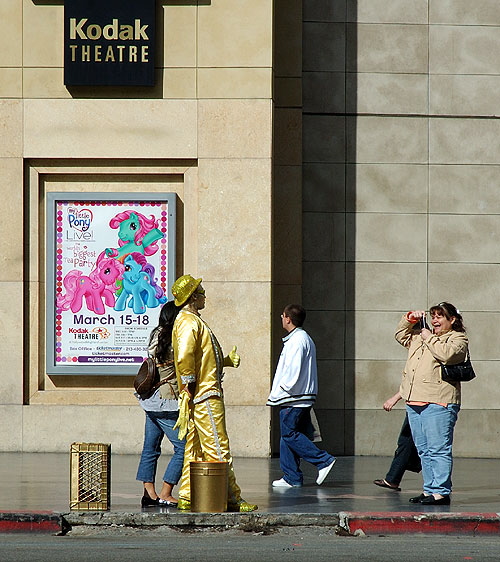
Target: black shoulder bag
{"points": [[462, 372]]}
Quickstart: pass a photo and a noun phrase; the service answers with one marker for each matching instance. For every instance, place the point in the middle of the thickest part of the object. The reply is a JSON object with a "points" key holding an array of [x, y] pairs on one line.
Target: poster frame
{"points": [[52, 199]]}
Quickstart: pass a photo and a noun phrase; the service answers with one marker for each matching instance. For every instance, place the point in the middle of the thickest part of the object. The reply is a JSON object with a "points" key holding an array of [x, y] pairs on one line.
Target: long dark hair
{"points": [[447, 309], [164, 329]]}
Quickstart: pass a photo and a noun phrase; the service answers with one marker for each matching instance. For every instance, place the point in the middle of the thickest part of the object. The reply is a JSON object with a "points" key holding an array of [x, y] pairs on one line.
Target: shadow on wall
{"points": [[314, 186], [329, 82]]}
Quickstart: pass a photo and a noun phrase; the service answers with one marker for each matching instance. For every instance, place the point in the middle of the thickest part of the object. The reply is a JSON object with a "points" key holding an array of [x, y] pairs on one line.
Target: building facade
{"points": [[343, 154]]}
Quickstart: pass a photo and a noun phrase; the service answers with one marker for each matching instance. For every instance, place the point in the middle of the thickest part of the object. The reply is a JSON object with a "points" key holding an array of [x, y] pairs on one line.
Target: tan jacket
{"points": [[169, 390], [422, 380]]}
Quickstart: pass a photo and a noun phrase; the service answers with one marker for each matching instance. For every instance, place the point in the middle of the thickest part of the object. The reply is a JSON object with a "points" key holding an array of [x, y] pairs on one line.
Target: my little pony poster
{"points": [[113, 269]]}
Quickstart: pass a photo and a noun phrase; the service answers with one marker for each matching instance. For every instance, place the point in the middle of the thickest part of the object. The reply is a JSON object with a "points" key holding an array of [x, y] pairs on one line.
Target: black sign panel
{"points": [[109, 42]]}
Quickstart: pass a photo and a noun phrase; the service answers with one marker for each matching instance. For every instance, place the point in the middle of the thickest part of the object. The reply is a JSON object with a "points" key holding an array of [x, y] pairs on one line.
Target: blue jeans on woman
{"points": [[432, 429], [159, 424], [295, 425]]}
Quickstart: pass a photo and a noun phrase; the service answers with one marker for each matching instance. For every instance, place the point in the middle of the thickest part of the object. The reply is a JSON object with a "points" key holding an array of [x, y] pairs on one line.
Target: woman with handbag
{"points": [[161, 409], [432, 404]]}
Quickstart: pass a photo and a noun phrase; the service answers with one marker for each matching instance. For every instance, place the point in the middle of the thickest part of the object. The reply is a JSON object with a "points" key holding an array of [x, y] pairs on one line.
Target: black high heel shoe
{"points": [[147, 501]]}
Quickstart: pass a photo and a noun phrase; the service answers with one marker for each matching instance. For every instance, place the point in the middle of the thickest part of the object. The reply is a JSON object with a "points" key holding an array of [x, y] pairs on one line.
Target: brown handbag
{"points": [[147, 378]]}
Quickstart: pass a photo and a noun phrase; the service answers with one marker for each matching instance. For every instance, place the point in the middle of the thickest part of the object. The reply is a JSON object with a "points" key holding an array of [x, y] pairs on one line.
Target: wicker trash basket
{"points": [[209, 486], [90, 465]]}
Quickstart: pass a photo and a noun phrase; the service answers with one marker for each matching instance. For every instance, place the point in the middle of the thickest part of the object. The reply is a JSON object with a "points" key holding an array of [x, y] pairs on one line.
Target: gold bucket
{"points": [[209, 486]]}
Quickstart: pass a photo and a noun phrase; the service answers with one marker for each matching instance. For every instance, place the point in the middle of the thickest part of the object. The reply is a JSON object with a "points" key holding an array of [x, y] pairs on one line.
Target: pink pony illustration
{"points": [[136, 233], [98, 285]]}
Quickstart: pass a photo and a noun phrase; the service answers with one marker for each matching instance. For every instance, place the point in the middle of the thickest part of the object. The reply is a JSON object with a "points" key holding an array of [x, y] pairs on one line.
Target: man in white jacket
{"points": [[294, 389]]}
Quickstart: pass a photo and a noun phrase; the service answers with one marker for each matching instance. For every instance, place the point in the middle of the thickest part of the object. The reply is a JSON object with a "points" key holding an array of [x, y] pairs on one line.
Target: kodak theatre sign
{"points": [[109, 42]]}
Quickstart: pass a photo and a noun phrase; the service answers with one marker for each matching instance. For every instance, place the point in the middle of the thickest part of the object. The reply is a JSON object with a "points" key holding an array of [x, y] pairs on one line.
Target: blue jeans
{"points": [[295, 424], [432, 429], [157, 425]]}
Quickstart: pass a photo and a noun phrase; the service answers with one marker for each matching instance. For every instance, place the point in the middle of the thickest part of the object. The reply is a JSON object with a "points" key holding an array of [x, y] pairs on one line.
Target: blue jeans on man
{"points": [[295, 425], [157, 425], [432, 428]]}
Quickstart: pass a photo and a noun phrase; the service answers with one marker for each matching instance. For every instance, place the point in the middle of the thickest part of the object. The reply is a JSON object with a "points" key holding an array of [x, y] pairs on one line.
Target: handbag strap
{"points": [[166, 379], [162, 382], [467, 357]]}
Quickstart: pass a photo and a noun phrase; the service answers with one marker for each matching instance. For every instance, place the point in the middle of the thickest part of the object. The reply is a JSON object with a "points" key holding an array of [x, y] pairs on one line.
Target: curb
{"points": [[370, 523], [32, 522], [421, 523], [352, 523], [176, 519]]}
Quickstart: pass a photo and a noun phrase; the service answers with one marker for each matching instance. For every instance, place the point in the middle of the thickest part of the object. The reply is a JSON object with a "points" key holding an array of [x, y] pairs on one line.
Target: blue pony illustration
{"points": [[136, 233], [139, 284]]}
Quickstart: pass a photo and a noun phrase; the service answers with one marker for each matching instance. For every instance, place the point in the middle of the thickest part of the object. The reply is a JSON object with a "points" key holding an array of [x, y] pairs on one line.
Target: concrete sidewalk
{"points": [[34, 496]]}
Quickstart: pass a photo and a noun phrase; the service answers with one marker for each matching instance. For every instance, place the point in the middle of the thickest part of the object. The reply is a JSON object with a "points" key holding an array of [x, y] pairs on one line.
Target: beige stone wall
{"points": [[204, 132], [401, 166], [344, 152]]}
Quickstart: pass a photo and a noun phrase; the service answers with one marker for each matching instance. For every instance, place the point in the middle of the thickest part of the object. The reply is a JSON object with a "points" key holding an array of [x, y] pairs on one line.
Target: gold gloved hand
{"points": [[183, 418], [233, 359]]}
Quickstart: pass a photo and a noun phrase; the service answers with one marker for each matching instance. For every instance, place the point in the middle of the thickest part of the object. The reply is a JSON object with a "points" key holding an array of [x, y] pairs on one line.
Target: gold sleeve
{"points": [[184, 340]]}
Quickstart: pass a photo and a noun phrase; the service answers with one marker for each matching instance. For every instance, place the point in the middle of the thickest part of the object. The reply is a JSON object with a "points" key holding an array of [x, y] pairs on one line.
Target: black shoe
{"points": [[384, 484], [418, 499], [146, 501], [431, 500], [167, 503]]}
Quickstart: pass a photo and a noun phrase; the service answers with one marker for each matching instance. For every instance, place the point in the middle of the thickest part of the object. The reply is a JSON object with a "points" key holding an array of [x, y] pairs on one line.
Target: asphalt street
{"points": [[285, 544]]}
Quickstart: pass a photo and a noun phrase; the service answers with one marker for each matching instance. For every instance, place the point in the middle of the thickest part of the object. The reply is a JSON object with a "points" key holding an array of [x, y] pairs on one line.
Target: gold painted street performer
{"points": [[199, 363]]}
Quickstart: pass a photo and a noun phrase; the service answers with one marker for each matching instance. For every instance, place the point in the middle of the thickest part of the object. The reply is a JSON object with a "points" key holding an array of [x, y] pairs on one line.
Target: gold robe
{"points": [[199, 360]]}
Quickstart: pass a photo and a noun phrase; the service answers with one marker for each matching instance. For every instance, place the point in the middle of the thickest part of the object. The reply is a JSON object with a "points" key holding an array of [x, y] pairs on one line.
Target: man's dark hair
{"points": [[296, 313]]}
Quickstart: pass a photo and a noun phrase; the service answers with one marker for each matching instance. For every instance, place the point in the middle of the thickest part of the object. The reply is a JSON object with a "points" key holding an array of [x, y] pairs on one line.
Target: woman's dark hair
{"points": [[296, 313], [449, 310], [168, 314]]}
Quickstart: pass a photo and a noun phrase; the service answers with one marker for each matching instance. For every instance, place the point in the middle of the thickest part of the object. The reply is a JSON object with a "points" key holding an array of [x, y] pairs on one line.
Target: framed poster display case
{"points": [[110, 266]]}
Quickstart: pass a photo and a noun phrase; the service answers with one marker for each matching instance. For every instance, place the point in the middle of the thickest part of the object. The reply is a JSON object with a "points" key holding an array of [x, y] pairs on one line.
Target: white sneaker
{"points": [[282, 483], [323, 473]]}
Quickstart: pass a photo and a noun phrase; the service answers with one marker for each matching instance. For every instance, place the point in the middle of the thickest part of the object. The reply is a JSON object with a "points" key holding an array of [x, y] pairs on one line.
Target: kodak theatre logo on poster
{"points": [[109, 43]]}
